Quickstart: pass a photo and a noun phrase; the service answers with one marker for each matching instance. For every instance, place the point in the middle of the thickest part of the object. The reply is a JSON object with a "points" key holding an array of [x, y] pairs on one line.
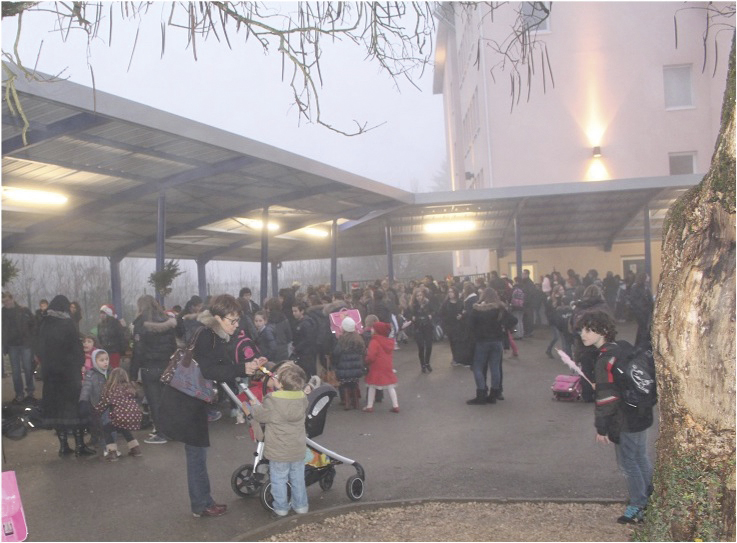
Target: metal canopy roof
{"points": [[114, 157]]}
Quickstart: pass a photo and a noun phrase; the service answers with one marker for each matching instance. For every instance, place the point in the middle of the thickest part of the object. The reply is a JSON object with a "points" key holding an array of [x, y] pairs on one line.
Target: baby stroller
{"points": [[253, 479]]}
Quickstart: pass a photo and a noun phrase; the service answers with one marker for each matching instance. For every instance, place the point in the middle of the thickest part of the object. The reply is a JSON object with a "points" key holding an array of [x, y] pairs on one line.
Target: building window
{"points": [[535, 16], [681, 163], [677, 85]]}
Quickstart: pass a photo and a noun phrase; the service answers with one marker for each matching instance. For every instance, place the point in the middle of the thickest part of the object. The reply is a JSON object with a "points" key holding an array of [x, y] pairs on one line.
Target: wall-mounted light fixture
{"points": [[597, 151]]}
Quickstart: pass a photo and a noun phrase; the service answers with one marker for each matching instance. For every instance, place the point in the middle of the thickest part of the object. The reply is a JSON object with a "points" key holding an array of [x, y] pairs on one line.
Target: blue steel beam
{"points": [[36, 136]]}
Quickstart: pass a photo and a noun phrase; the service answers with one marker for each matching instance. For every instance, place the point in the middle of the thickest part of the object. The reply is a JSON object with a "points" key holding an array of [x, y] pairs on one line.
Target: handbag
{"points": [[183, 373]]}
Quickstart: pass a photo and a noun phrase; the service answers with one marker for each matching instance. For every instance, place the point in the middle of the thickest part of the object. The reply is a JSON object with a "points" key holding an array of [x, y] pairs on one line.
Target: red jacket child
{"points": [[379, 357]]}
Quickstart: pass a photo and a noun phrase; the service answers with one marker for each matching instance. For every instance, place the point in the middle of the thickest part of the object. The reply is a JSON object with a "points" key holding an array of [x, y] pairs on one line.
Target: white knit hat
{"points": [[348, 325]]}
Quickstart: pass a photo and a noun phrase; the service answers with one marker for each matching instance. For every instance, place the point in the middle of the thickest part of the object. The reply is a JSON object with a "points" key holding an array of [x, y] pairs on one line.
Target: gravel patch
{"points": [[468, 521]]}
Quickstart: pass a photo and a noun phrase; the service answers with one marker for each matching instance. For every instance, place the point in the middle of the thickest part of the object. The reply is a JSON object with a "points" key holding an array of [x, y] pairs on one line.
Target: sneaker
{"points": [[215, 510], [214, 415], [455, 364], [156, 440], [632, 515], [118, 454], [276, 515], [301, 510]]}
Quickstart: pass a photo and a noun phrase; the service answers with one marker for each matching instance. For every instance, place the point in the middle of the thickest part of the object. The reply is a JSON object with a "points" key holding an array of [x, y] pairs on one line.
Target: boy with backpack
{"points": [[622, 414]]}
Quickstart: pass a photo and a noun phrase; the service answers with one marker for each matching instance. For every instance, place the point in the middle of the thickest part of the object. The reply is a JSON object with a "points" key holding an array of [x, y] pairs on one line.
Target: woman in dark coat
{"points": [[154, 341], [184, 418], [62, 358], [451, 311], [422, 318]]}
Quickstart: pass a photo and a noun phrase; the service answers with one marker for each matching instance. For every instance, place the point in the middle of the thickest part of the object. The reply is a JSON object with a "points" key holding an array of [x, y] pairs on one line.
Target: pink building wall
{"points": [[607, 60]]}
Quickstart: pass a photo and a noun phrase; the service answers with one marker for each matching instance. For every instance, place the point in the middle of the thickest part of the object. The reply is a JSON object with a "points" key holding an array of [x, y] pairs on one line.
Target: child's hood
{"points": [[94, 361], [385, 344]]}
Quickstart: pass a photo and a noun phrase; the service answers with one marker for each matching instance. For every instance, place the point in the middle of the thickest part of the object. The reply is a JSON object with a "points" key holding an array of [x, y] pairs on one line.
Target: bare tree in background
{"points": [[397, 36]]}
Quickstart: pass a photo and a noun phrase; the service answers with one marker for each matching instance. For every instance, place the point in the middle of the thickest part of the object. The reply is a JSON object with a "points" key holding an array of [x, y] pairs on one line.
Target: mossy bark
{"points": [[694, 342]]}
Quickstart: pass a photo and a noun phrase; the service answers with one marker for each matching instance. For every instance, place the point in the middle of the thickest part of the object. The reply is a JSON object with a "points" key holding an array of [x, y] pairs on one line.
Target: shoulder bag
{"points": [[183, 373]]}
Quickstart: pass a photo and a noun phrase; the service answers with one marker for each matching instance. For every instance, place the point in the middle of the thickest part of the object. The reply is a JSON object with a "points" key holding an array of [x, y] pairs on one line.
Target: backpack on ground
{"points": [[634, 374], [567, 388]]}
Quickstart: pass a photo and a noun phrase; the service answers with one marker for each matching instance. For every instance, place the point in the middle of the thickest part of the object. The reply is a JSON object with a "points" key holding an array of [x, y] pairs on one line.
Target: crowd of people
{"points": [[96, 382]]}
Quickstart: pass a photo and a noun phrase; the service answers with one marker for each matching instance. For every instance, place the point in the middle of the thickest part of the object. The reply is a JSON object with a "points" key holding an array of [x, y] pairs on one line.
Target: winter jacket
{"points": [[18, 326], [266, 342], [125, 412], [187, 325], [283, 412], [348, 359], [612, 415], [111, 335], [379, 359], [62, 358], [305, 337], [449, 312], [490, 321], [153, 344], [422, 316], [92, 385], [282, 334], [184, 418]]}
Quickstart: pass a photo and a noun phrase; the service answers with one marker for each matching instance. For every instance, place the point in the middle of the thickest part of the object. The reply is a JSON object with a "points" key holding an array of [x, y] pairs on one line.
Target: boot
{"points": [[356, 398], [480, 398], [493, 394], [81, 449], [134, 449], [64, 448], [348, 396]]}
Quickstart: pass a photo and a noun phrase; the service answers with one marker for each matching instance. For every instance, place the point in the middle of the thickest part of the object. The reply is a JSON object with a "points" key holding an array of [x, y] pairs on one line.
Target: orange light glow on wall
{"points": [[597, 171]]}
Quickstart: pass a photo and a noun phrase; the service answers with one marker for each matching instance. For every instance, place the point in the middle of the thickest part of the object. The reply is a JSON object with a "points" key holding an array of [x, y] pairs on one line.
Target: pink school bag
{"points": [[567, 388]]}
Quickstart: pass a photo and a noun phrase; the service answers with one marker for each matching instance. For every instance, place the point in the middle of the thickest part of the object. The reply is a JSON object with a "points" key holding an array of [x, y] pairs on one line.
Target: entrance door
{"points": [[634, 265]]}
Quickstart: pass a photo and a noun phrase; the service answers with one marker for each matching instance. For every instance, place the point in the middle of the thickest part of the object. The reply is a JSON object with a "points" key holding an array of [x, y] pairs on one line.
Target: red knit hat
{"points": [[382, 328], [109, 310]]}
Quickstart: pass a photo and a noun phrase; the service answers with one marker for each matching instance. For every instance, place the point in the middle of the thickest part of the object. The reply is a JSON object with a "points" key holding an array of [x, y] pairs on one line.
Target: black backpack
{"points": [[634, 375]]}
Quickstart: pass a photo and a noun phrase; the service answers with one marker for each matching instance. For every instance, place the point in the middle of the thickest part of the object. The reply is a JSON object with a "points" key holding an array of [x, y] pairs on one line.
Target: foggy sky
{"points": [[241, 91]]}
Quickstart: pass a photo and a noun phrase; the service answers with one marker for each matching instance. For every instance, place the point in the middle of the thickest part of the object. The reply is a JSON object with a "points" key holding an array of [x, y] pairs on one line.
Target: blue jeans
{"points": [[634, 462], [21, 363], [198, 481], [556, 336], [294, 472], [488, 353]]}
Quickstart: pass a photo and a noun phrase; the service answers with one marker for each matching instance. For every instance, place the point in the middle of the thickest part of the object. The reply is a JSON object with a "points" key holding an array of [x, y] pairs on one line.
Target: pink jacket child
{"points": [[380, 362]]}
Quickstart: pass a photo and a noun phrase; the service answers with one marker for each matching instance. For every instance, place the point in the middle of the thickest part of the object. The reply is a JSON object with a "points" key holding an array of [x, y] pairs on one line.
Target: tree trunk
{"points": [[694, 343]]}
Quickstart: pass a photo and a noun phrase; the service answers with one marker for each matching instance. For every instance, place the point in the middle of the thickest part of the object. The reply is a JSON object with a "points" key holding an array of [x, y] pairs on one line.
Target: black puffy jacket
{"points": [[348, 359], [153, 343]]}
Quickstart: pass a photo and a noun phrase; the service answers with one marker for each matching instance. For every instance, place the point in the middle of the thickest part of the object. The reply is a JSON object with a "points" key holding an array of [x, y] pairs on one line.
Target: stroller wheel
{"points": [[326, 482], [267, 499], [245, 482], [354, 488]]}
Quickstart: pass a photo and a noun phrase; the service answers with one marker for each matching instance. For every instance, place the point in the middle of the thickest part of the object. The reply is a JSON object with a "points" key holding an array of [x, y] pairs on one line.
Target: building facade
{"points": [[602, 91]]}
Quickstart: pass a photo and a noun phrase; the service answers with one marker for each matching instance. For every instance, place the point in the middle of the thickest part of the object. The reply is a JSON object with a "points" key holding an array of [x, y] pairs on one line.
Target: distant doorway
{"points": [[634, 265]]}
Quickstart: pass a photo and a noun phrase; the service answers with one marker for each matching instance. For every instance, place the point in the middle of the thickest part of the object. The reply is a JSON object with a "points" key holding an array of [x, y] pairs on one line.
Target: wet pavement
{"points": [[525, 447]]}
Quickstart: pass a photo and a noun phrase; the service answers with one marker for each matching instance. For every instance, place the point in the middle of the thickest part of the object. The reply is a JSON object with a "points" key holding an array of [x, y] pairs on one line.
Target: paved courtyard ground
{"points": [[525, 447]]}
